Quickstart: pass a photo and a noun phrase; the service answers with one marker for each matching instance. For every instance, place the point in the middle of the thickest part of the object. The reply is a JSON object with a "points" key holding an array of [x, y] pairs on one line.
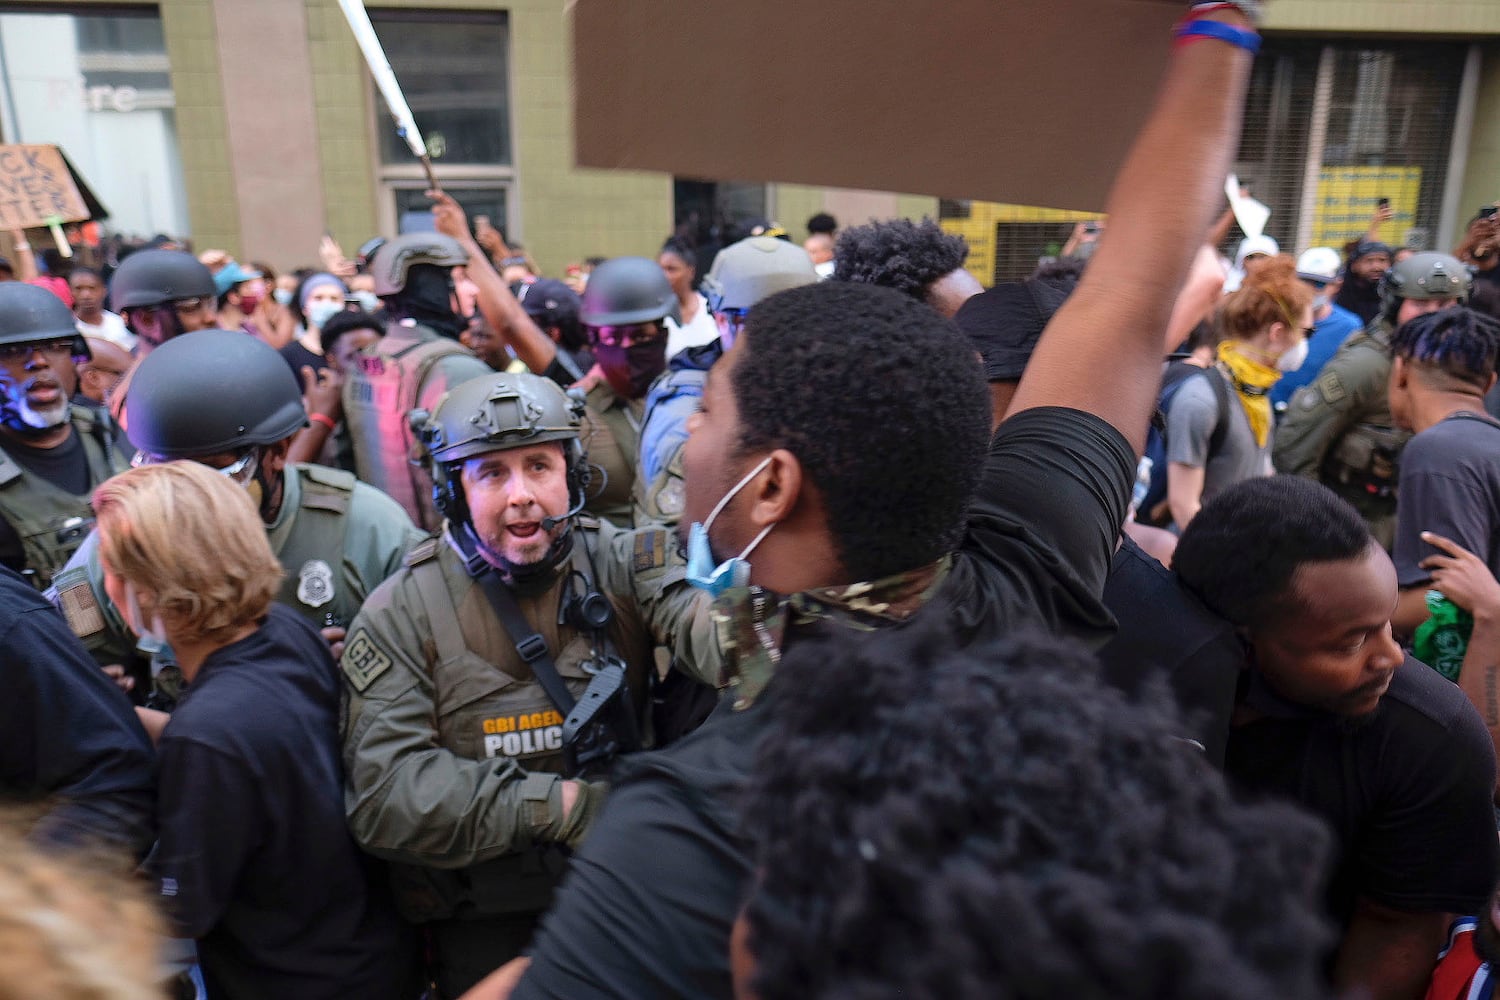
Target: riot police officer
{"points": [[229, 401], [625, 308], [493, 679], [163, 294], [741, 276], [417, 360], [1339, 429], [52, 452]]}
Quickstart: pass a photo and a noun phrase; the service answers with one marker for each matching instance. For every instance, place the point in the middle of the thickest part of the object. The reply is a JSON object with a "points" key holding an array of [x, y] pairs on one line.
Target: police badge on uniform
{"points": [[315, 583]]}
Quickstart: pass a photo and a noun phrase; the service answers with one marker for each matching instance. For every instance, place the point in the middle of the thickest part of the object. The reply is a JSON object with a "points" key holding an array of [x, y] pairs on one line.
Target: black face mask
{"points": [[639, 363]]}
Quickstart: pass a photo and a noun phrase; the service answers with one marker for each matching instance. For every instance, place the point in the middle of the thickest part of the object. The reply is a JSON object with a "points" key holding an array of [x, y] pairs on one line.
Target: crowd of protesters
{"points": [[758, 619]]}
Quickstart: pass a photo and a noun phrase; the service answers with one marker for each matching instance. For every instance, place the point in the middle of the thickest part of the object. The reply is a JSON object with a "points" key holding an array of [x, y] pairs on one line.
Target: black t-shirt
{"points": [[646, 907], [1165, 632], [67, 733], [66, 467], [295, 355], [1408, 794], [254, 858], [1360, 297], [1450, 485]]}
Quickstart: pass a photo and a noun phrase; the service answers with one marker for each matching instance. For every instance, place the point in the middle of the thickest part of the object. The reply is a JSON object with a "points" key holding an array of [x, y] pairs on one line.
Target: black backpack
{"points": [[1175, 374]]}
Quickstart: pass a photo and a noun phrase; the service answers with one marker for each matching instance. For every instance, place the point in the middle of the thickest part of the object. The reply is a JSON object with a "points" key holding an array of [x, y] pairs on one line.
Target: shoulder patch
{"points": [[1331, 387], [422, 551], [650, 550], [363, 661], [81, 608]]}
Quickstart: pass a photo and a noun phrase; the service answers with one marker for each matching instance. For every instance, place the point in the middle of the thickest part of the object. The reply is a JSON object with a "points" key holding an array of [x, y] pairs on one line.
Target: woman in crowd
{"points": [[253, 860]]}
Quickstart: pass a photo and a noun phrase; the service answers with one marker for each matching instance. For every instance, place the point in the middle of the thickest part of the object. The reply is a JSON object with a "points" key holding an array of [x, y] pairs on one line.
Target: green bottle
{"points": [[1441, 641]]}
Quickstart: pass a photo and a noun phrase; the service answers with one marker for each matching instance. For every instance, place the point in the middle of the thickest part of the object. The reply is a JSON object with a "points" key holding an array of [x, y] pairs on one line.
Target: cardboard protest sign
{"points": [[1026, 101], [37, 188]]}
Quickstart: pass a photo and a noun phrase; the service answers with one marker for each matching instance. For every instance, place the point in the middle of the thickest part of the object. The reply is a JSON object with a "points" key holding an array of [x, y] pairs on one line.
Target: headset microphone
{"points": [[548, 523]]}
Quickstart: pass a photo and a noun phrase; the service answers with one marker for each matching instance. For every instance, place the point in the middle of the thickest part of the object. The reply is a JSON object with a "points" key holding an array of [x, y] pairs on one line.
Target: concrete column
{"points": [[266, 73]]}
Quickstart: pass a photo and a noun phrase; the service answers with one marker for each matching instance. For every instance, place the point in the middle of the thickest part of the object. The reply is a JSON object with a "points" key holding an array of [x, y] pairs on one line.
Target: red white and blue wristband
{"points": [[1188, 31]]}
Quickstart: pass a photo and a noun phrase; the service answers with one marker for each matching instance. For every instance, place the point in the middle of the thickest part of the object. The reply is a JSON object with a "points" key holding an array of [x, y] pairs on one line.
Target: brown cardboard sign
{"points": [[36, 187], [1023, 101]]}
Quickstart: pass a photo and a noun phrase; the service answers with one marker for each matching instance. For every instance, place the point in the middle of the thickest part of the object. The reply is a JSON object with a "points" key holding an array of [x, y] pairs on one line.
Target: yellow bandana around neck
{"points": [[1252, 382]]}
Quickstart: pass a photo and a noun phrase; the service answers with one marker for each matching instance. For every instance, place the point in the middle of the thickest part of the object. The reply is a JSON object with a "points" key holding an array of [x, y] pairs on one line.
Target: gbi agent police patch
{"points": [[363, 661]]}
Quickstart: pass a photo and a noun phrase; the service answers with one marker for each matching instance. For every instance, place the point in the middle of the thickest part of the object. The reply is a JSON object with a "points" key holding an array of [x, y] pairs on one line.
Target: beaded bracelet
{"points": [[1188, 31]]}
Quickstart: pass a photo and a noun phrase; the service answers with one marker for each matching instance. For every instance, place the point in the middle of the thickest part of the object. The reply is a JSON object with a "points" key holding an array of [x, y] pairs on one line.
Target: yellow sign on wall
{"points": [[978, 230], [1347, 199]]}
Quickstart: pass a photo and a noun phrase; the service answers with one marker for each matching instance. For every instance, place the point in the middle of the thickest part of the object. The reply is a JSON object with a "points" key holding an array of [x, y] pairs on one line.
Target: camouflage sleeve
{"points": [[660, 498], [646, 564], [78, 592], [1320, 413], [409, 799]]}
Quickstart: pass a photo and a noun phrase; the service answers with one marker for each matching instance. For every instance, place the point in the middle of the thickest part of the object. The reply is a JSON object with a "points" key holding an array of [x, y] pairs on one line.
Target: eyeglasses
{"points": [[239, 472], [626, 335], [17, 353]]}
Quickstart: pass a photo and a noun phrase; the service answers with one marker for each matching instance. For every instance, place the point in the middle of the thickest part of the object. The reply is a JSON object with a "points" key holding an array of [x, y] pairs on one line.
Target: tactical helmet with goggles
{"points": [[395, 258], [30, 315], [156, 277], [1423, 277], [496, 413]]}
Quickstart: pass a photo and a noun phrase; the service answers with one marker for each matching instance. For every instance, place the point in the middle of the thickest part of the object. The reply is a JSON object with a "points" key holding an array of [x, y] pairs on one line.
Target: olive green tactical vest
{"points": [[51, 522]]}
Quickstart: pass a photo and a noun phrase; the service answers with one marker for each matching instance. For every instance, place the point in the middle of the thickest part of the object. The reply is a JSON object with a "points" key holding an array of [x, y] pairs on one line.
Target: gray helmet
{"points": [[496, 413], [627, 290], [156, 277], [30, 313], [752, 269], [395, 258], [1422, 277], [211, 391]]}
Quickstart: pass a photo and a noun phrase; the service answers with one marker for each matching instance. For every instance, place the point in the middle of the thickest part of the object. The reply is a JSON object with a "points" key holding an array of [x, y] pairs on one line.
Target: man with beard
{"points": [[1360, 292], [462, 668], [1331, 714], [52, 454]]}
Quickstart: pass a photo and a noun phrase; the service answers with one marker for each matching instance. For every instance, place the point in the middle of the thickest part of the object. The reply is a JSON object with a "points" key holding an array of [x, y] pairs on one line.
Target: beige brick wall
{"points": [[1433, 17], [1482, 172], [202, 126], [344, 123]]}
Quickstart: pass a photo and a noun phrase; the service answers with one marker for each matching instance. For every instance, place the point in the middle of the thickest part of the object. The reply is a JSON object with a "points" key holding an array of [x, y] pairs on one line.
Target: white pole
{"points": [[385, 80]]}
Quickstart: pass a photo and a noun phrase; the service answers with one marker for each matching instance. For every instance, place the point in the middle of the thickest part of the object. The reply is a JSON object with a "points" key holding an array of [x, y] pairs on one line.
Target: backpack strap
{"points": [[1221, 395]]}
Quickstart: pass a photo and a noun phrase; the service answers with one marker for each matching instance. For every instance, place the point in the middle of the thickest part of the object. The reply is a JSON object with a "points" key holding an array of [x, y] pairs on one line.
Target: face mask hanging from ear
{"points": [[701, 571], [151, 638]]}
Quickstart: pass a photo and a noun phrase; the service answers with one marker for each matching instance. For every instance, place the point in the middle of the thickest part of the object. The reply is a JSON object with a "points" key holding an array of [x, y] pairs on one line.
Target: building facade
{"points": [[253, 126]]}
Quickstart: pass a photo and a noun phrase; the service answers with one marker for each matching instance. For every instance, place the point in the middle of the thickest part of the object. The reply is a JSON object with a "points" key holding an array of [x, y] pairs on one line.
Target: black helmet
{"points": [[211, 391], [627, 290], [395, 257], [495, 413], [156, 277], [1423, 277], [29, 313]]}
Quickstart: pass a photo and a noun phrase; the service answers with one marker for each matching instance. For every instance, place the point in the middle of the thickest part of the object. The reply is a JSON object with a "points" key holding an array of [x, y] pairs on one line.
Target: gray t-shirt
{"points": [[1450, 485], [1191, 418]]}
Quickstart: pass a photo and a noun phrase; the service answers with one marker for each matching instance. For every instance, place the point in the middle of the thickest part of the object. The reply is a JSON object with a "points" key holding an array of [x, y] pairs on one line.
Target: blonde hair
{"points": [[193, 541], [74, 927]]}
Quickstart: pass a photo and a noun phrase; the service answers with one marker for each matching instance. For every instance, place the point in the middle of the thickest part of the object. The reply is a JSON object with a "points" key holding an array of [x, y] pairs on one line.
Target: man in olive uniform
{"points": [[1339, 429], [462, 668], [741, 276], [625, 308], [229, 401], [417, 360], [52, 453]]}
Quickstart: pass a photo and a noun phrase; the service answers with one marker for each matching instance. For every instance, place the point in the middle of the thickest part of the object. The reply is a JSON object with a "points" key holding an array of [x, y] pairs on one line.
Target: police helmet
{"points": [[156, 277], [754, 268], [627, 290], [496, 413], [212, 391], [395, 258], [1422, 277], [29, 313]]}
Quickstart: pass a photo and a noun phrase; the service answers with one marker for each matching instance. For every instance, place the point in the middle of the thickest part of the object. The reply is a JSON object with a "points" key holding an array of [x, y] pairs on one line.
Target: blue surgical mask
{"points": [[283, 296], [368, 301], [731, 573], [319, 313]]}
